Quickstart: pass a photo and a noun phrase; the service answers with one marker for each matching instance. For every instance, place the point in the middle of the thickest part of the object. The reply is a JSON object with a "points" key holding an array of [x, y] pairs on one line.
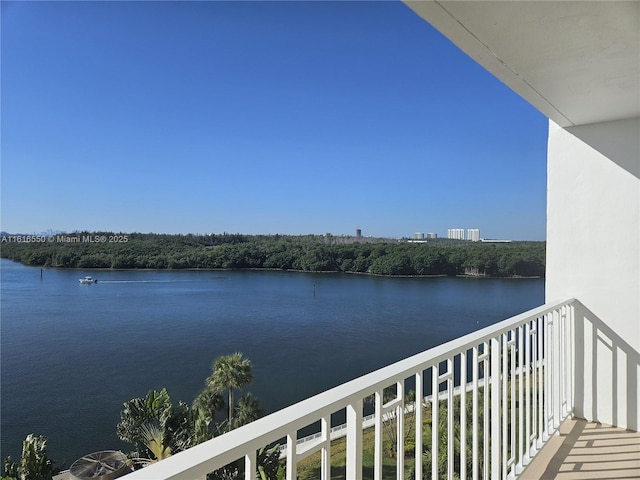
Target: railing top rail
{"points": [[195, 462]]}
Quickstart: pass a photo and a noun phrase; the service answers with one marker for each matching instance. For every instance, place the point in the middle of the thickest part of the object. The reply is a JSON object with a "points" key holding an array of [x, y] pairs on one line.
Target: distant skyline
{"points": [[258, 118]]}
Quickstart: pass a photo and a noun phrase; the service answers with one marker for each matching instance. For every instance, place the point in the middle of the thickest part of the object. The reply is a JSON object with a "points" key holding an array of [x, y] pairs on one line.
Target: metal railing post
{"points": [[250, 465], [291, 471], [325, 456], [377, 449], [435, 415], [496, 434], [354, 440], [418, 422], [463, 414]]}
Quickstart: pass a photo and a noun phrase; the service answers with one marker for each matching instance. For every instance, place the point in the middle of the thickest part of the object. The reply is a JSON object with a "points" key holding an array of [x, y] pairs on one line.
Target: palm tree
{"points": [[230, 372], [205, 406], [209, 401], [248, 410]]}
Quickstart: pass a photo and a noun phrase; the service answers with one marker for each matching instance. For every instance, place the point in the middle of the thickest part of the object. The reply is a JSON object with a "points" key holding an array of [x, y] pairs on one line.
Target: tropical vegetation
{"points": [[33, 464], [157, 428]]}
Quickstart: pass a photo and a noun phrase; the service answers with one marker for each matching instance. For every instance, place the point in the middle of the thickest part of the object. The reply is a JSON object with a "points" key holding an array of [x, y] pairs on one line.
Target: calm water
{"points": [[71, 353]]}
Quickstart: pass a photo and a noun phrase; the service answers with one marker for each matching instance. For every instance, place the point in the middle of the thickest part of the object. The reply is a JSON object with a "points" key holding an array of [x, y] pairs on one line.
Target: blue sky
{"points": [[258, 117]]}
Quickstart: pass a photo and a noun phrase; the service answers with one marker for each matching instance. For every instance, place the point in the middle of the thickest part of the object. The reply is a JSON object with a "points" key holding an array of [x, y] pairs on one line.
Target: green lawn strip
{"points": [[309, 468]]}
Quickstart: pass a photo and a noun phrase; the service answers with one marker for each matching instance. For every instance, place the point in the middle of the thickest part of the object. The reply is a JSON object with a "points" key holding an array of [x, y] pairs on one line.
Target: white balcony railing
{"points": [[502, 391]]}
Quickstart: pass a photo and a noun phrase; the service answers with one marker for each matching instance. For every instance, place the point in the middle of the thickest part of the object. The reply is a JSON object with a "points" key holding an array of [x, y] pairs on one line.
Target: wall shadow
{"points": [[617, 140], [594, 342]]}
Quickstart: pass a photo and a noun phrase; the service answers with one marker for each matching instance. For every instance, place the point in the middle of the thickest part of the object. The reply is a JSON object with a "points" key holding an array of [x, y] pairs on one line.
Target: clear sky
{"points": [[258, 117]]}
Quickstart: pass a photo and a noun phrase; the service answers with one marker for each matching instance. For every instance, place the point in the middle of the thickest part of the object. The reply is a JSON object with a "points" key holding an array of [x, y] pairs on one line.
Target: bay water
{"points": [[71, 354]]}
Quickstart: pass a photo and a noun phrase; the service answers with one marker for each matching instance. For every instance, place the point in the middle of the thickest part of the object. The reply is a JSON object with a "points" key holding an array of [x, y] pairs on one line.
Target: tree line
{"points": [[311, 253]]}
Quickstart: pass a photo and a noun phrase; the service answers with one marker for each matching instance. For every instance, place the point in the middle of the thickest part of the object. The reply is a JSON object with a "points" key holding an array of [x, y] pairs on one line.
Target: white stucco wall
{"points": [[593, 254]]}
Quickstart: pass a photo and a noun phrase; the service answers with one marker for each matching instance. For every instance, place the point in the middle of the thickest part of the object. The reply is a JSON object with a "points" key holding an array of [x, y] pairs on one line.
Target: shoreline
{"points": [[106, 269]]}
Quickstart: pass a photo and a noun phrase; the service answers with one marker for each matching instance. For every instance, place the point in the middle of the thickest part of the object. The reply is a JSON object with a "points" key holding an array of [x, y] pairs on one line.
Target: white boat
{"points": [[88, 279]]}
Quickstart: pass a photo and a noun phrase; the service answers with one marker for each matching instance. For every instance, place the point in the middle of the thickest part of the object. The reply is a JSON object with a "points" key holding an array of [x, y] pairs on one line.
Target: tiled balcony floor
{"points": [[586, 450]]}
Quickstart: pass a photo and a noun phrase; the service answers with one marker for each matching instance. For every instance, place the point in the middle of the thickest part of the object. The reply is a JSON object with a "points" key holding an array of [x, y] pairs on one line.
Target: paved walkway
{"points": [[586, 450]]}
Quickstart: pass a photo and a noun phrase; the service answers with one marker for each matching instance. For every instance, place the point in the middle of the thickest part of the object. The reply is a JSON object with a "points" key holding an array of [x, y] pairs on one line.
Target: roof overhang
{"points": [[578, 62]]}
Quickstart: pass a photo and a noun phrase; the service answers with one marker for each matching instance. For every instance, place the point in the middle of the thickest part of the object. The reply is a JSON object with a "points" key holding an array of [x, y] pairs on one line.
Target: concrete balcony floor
{"points": [[585, 450]]}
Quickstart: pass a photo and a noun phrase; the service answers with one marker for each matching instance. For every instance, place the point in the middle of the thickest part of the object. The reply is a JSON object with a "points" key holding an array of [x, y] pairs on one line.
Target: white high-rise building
{"points": [[456, 233], [473, 234]]}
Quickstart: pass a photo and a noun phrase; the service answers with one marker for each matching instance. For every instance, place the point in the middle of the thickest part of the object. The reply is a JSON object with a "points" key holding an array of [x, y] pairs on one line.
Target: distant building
{"points": [[455, 233], [432, 235], [494, 240], [418, 236], [358, 233], [473, 234]]}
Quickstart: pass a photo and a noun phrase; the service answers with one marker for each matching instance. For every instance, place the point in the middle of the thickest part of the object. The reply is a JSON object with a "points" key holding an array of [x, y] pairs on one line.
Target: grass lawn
{"points": [[309, 468]]}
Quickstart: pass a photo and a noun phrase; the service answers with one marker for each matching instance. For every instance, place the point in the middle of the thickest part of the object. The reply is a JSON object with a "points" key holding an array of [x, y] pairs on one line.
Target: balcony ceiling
{"points": [[578, 62]]}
